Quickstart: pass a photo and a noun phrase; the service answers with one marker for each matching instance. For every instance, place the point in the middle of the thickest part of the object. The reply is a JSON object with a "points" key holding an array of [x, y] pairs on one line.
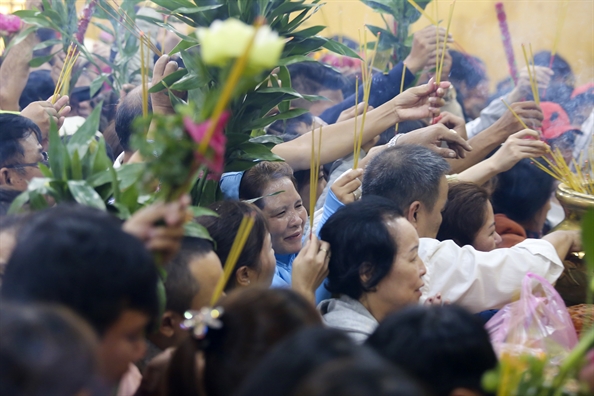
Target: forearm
{"points": [[337, 139], [482, 144], [479, 173], [14, 73], [562, 241]]}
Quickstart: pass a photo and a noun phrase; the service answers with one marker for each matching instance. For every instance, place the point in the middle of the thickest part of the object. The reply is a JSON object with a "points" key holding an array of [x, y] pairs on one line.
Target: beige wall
{"points": [[475, 27]]}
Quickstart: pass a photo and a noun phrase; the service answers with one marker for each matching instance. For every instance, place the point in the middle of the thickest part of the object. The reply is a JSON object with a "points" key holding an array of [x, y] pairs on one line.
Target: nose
{"points": [[295, 220], [498, 239], [422, 268], [139, 351]]}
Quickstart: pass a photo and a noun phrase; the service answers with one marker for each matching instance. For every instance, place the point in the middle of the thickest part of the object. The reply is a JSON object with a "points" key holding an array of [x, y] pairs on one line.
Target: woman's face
{"points": [[487, 238], [267, 262], [286, 216], [402, 285], [305, 190]]}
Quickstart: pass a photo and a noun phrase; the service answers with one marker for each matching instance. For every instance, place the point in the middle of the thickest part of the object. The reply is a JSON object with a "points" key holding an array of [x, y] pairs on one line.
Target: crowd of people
{"points": [[385, 293]]}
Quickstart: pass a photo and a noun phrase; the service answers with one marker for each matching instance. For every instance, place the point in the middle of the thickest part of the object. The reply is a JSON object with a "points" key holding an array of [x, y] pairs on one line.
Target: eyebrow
{"points": [[416, 247]]}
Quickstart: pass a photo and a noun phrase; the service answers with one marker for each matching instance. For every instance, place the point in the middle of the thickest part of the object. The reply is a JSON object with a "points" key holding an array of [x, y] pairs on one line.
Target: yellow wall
{"points": [[475, 27]]}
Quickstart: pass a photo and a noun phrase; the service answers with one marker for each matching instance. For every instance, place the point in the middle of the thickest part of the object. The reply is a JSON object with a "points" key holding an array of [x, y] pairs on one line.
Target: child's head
{"points": [[45, 350], [79, 257], [191, 278]]}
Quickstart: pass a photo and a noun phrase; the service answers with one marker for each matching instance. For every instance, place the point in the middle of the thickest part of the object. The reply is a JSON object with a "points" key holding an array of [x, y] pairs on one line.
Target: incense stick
{"points": [[445, 41], [515, 114], [422, 11], [143, 77], [532, 86], [238, 243], [63, 83], [356, 139], [314, 174], [534, 81], [401, 89], [367, 75]]}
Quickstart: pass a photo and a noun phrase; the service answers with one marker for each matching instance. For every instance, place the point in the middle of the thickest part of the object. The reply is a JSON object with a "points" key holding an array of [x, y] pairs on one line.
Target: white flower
{"points": [[227, 40]]}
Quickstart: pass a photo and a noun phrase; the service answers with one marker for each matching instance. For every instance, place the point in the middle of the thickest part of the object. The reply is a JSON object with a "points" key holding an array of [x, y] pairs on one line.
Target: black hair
{"points": [[563, 81], [128, 110], [224, 228], [467, 68], [296, 357], [361, 375], [405, 174], [180, 285], [14, 128], [44, 350], [256, 179], [44, 34], [311, 77], [560, 66], [40, 86], [287, 129], [522, 191], [361, 243], [79, 257], [254, 320], [443, 347]]}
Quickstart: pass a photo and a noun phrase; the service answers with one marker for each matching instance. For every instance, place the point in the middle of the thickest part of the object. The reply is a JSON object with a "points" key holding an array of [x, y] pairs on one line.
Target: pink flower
{"points": [[10, 23], [214, 158], [83, 22]]}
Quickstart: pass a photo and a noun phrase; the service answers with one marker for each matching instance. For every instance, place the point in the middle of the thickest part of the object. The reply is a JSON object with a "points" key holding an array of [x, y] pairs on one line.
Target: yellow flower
{"points": [[227, 40]]}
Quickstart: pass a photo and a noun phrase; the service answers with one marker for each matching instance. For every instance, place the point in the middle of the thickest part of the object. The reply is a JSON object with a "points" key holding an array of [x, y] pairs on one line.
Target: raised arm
{"points": [[14, 73], [338, 139], [524, 144]]}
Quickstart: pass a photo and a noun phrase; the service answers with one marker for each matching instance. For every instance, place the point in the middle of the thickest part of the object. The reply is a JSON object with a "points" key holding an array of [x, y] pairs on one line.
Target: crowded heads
{"points": [[414, 178]]}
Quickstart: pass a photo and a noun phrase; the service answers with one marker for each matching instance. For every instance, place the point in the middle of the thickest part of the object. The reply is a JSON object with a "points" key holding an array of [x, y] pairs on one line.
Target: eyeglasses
{"points": [[44, 161]]}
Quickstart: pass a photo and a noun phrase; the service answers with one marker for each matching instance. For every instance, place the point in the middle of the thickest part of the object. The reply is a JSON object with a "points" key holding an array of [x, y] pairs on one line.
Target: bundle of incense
{"points": [[422, 11], [366, 77], [401, 90], [116, 12], [63, 83], [236, 248], [507, 44], [445, 42], [559, 169], [144, 74], [560, 22], [531, 75], [228, 88], [314, 175]]}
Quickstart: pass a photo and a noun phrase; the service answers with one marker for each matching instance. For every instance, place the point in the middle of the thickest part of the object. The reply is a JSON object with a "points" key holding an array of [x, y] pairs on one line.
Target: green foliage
{"points": [[259, 100], [395, 36], [80, 171]]}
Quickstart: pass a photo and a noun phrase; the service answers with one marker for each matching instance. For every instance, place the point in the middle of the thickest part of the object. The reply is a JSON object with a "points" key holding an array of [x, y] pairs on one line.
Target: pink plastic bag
{"points": [[537, 323]]}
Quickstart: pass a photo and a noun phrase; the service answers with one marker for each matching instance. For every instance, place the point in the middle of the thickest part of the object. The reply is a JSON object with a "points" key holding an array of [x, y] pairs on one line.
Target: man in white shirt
{"points": [[415, 179]]}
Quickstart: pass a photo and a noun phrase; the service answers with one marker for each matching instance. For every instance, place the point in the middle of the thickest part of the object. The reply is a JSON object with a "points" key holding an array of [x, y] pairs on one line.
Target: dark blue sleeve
{"points": [[383, 88]]}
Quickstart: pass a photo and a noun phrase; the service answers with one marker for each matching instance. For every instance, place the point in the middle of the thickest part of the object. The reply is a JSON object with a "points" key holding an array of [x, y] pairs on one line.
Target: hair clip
{"points": [[254, 200], [199, 322]]}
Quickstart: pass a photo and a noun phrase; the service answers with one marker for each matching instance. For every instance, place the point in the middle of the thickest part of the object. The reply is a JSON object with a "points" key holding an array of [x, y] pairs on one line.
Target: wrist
{"points": [[412, 64]]}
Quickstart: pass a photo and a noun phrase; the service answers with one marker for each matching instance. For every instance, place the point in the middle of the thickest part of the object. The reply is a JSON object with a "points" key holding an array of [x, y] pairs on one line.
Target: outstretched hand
{"points": [[347, 186], [43, 111], [520, 145], [433, 136], [160, 101], [160, 226], [423, 101]]}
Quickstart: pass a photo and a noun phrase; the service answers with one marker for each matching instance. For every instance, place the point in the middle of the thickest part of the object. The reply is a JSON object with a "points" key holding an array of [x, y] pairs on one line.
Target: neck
{"points": [[378, 309]]}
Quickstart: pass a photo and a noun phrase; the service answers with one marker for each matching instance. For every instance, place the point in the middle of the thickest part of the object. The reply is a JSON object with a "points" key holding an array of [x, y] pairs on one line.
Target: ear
{"points": [[464, 392], [243, 276], [365, 272], [413, 210], [5, 177], [168, 324]]}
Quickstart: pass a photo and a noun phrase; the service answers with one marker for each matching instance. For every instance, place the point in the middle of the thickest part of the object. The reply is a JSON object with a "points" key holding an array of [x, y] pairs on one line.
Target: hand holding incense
{"points": [[63, 83]]}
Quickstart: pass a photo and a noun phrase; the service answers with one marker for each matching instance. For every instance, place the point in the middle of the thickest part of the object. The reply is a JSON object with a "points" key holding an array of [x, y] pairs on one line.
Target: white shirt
{"points": [[582, 142], [479, 281]]}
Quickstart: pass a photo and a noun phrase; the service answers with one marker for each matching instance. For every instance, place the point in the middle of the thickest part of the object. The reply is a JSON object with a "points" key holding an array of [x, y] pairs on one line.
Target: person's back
{"points": [[79, 257]]}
